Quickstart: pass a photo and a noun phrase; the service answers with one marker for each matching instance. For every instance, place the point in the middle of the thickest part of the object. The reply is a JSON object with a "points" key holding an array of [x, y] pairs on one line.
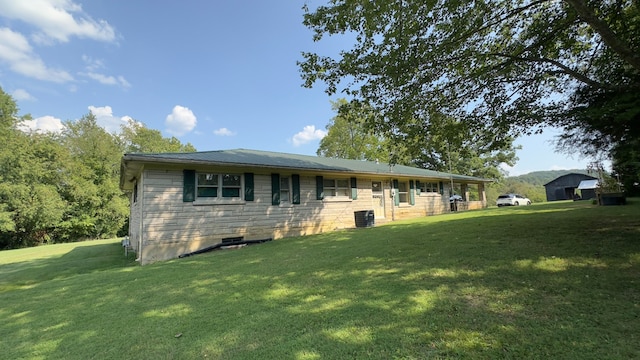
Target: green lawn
{"points": [[549, 281]]}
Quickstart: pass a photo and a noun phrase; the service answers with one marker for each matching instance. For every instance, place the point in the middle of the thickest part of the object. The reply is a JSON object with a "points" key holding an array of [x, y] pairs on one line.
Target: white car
{"points": [[512, 200]]}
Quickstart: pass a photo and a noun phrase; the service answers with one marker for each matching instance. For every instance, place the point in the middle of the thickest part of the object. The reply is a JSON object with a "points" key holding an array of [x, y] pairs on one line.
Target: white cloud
{"points": [[180, 121], [107, 79], [224, 132], [308, 134], [43, 124], [92, 64], [22, 94], [18, 54], [105, 118], [57, 20]]}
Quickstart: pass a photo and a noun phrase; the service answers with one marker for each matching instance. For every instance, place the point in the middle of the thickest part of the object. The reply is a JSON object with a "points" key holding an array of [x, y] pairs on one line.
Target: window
{"points": [[207, 185], [403, 192], [285, 191], [231, 185], [211, 185], [336, 187], [428, 187], [376, 187]]}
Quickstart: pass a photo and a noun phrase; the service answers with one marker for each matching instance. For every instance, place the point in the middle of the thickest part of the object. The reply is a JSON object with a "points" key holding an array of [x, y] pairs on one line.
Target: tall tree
{"points": [[56, 188], [443, 144], [30, 206], [451, 145], [348, 136], [138, 138], [99, 209], [509, 66]]}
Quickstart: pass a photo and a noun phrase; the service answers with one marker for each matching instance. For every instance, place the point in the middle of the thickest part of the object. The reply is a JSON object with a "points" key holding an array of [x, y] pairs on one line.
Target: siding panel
{"points": [[171, 227]]}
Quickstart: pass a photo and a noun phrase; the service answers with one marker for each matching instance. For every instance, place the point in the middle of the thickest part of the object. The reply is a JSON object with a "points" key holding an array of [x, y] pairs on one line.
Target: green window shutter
{"points": [[275, 189], [189, 185], [248, 186], [412, 193], [396, 196], [441, 188], [354, 188], [319, 188], [295, 184], [418, 190]]}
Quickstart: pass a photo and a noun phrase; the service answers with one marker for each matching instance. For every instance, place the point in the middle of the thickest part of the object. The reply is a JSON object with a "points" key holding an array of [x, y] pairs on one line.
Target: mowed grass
{"points": [[549, 281]]}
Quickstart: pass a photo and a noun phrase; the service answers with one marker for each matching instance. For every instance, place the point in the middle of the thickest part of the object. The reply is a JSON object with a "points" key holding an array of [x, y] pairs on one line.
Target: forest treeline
{"points": [[62, 187]]}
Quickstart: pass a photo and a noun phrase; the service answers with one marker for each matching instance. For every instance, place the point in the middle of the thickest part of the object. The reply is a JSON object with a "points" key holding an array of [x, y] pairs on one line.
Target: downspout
{"points": [[141, 214], [450, 173], [393, 200]]}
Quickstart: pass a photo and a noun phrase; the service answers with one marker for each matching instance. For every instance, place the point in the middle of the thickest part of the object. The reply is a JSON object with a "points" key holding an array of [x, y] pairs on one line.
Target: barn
{"points": [[564, 187]]}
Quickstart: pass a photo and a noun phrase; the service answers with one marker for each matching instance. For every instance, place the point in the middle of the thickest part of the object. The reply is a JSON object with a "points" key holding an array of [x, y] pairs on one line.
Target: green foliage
{"points": [[59, 188], [443, 144], [504, 67], [539, 178], [30, 205], [140, 139], [535, 193], [626, 165], [348, 136], [99, 208], [450, 145], [8, 112]]}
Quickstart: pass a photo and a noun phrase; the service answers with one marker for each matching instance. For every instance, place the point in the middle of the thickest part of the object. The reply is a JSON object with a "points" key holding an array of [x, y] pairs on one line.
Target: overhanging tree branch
{"points": [[564, 68], [608, 36]]}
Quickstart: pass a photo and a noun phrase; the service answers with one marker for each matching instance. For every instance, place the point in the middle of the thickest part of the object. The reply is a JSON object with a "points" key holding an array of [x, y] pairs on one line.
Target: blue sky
{"points": [[217, 74]]}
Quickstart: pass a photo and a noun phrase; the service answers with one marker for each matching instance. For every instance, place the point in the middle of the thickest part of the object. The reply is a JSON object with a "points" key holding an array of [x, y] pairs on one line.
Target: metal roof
{"points": [[588, 184], [276, 160], [577, 175]]}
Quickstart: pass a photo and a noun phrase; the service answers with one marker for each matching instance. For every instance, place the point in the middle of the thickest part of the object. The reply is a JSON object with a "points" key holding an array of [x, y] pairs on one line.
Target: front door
{"points": [[377, 200]]}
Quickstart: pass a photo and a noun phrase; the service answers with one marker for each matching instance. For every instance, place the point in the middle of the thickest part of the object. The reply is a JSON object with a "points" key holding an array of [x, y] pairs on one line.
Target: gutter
{"points": [[159, 160]]}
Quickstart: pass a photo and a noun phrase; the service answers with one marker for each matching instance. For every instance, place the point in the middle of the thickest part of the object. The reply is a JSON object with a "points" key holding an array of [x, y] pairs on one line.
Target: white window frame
{"points": [[285, 189], [429, 187], [404, 193], [336, 189]]}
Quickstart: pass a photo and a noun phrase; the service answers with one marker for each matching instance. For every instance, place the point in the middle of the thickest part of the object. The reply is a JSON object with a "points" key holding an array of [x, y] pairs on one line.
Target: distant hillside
{"points": [[539, 178]]}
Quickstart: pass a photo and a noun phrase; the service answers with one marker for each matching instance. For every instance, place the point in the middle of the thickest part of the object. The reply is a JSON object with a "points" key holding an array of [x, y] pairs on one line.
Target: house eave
{"points": [[132, 163]]}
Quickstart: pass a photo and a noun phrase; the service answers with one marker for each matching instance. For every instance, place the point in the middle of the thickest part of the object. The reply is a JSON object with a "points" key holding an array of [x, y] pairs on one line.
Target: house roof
{"points": [[570, 175], [276, 160]]}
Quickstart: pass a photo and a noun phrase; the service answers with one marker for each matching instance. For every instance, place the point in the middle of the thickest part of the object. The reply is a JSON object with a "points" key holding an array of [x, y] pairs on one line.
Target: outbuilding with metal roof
{"points": [[564, 187]]}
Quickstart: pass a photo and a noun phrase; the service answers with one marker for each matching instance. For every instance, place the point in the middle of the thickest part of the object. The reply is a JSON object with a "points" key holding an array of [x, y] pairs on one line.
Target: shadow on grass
{"points": [[556, 283], [79, 260]]}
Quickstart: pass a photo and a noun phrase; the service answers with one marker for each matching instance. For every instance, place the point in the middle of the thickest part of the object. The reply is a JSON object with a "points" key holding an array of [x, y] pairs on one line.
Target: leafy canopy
{"points": [[512, 67], [64, 187], [443, 144], [348, 136]]}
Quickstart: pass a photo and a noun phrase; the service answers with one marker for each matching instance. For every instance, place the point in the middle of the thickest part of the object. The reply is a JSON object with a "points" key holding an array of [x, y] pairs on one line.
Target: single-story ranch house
{"points": [[183, 202]]}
